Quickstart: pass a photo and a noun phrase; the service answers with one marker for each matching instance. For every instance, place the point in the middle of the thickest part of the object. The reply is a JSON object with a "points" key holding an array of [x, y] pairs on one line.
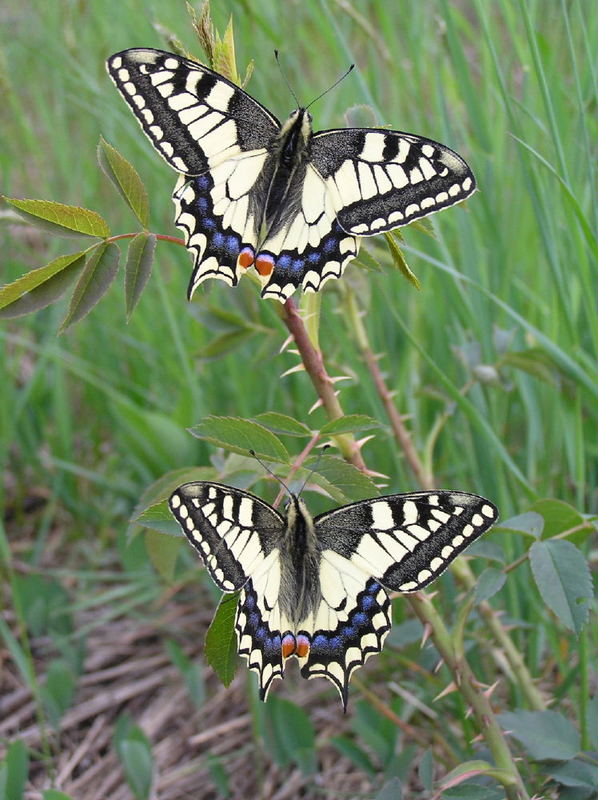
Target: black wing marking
{"points": [[384, 179], [233, 531], [194, 117], [406, 540]]}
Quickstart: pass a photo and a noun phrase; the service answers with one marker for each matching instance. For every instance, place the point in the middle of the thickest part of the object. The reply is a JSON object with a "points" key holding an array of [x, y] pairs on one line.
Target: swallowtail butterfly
{"points": [[290, 202], [318, 588]]}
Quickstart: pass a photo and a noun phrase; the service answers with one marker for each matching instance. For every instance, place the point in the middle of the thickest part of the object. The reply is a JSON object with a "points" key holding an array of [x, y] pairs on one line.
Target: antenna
{"points": [[269, 471], [286, 80], [336, 83], [314, 468]]}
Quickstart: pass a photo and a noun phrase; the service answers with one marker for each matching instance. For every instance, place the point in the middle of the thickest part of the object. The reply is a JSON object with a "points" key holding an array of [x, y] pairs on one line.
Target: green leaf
{"points": [[137, 763], [351, 423], [546, 735], [226, 343], [425, 770], [219, 775], [281, 423], [593, 721], [489, 583], [191, 672], [220, 647], [295, 732], [562, 576], [60, 219], [58, 691], [536, 362], [558, 518], [343, 481], [530, 523], [163, 552], [577, 774], [134, 753], [17, 764], [157, 518], [138, 268], [126, 180], [95, 280], [354, 753], [391, 790], [241, 435], [399, 260], [54, 794], [20, 293], [154, 497]]}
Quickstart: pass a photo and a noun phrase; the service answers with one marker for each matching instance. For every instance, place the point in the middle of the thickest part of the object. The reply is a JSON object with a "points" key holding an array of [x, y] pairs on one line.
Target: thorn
{"points": [[341, 378], [294, 352], [426, 634], [360, 443], [285, 344], [298, 368], [317, 404], [452, 687], [490, 690], [372, 474]]}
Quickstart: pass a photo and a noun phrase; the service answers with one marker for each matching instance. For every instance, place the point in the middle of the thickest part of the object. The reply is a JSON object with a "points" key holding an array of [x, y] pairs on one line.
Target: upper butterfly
{"points": [[292, 203], [317, 588]]}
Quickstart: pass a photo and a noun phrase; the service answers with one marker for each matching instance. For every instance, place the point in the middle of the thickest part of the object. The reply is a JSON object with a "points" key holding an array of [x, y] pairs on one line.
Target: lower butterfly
{"points": [[253, 192], [317, 588]]}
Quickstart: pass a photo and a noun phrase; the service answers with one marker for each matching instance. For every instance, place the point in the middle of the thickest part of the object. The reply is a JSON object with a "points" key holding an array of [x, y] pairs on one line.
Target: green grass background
{"points": [[509, 280]]}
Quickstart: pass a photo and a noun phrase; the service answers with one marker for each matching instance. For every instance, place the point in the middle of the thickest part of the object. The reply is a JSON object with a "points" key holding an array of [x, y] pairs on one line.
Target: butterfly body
{"points": [[317, 588], [254, 192]]}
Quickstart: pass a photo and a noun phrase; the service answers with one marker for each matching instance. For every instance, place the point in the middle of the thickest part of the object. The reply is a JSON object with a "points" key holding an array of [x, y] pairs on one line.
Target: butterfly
{"points": [[317, 588], [254, 192]]}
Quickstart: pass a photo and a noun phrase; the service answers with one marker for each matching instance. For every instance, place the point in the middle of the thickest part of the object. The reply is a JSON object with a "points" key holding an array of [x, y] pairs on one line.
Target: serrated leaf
{"points": [[558, 517], [343, 478], [563, 579], [163, 552], [40, 287], [98, 274], [351, 423], [138, 268], [489, 583], [158, 518], [220, 647], [60, 219], [159, 491], [125, 178], [281, 423], [546, 735], [399, 260], [530, 523], [241, 435]]}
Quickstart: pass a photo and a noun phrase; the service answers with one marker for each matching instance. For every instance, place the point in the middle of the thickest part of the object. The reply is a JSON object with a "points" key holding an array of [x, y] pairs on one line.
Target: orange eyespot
{"points": [[264, 265], [246, 257]]}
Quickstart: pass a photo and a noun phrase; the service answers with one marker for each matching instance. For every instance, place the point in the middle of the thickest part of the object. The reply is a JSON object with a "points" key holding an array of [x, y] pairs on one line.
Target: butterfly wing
{"points": [[383, 179], [406, 540], [217, 137], [233, 531], [237, 536]]}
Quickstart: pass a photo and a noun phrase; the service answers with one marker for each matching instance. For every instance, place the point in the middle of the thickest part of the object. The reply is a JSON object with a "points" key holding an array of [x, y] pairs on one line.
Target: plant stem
{"points": [[314, 366]]}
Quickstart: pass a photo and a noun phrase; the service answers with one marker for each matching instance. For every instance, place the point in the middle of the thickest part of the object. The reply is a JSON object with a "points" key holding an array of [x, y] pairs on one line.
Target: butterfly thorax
{"points": [[285, 170], [299, 556]]}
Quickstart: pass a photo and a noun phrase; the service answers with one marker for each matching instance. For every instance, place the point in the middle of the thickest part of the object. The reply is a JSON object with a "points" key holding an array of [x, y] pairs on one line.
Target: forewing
{"points": [[233, 531], [383, 179], [307, 246], [406, 540], [350, 623], [194, 117]]}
